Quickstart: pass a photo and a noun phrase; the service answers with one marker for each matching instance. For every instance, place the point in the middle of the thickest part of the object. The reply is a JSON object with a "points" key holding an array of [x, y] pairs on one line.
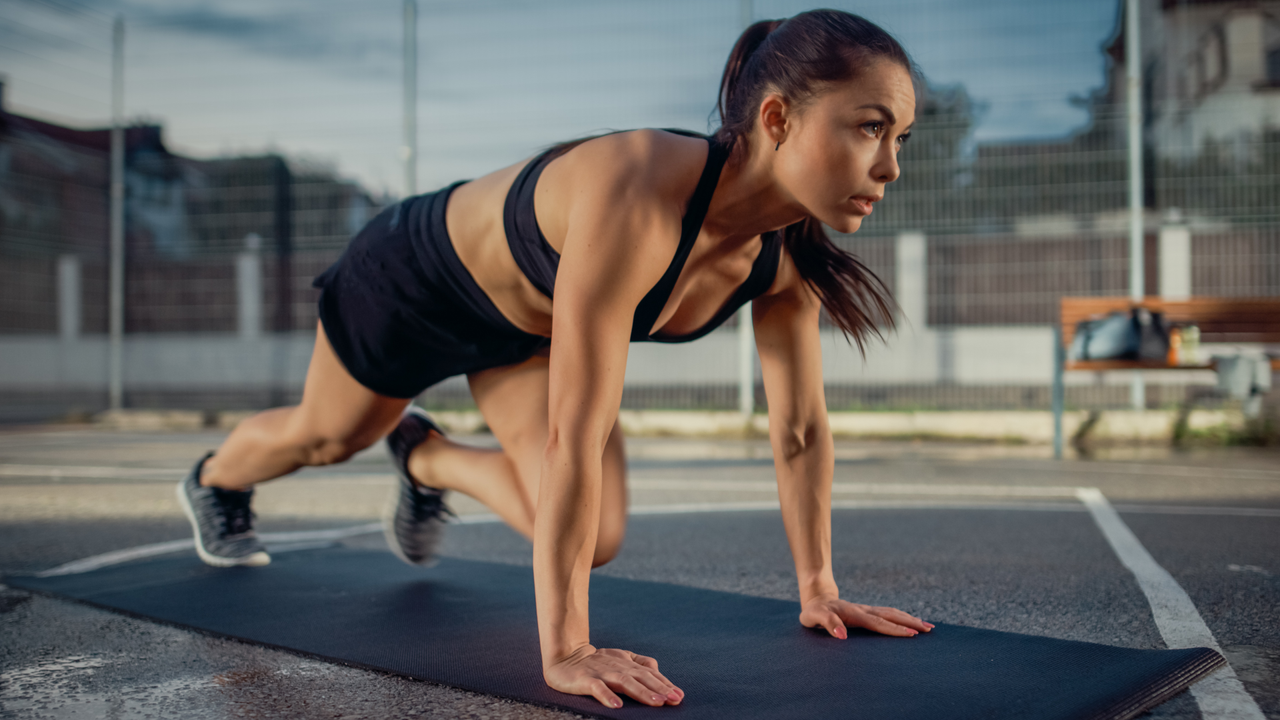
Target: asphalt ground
{"points": [[984, 535]]}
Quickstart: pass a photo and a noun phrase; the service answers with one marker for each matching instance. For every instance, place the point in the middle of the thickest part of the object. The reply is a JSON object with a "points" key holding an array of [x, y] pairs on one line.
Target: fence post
{"points": [[69, 297], [910, 278], [249, 289], [1175, 262]]}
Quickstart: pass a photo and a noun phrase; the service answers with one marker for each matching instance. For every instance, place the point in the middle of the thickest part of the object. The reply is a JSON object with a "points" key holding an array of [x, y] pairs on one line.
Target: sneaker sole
{"points": [[257, 559]]}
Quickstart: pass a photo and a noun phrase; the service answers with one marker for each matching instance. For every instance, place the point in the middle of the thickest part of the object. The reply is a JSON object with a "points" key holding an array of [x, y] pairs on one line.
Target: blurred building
{"points": [[212, 246], [1212, 72]]}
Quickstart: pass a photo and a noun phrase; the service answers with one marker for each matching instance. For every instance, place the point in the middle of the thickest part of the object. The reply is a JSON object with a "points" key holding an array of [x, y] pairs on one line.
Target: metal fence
{"points": [[978, 239]]}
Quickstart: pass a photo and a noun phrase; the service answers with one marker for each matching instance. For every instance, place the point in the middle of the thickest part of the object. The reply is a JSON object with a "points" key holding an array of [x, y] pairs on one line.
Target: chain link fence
{"points": [[978, 240]]}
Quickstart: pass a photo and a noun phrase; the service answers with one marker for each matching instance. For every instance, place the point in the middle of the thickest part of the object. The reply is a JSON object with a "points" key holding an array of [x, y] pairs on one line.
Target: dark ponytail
{"points": [[798, 58]]}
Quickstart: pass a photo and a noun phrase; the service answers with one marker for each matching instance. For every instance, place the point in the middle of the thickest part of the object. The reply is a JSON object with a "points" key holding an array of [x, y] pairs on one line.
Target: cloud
{"points": [[340, 35]]}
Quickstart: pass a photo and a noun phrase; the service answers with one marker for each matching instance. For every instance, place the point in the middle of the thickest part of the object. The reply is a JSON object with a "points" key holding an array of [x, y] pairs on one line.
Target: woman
{"points": [[814, 111]]}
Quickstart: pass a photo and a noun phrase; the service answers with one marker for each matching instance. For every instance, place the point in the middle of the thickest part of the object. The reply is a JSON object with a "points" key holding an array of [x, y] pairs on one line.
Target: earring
{"points": [[775, 147]]}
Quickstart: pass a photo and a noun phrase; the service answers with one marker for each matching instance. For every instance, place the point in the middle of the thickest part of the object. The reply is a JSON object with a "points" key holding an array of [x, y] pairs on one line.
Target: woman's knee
{"points": [[606, 550], [612, 532], [329, 448]]}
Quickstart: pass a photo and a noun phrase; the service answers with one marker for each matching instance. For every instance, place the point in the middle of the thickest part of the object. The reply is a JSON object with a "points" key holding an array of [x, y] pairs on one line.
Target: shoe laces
{"points": [[237, 517]]}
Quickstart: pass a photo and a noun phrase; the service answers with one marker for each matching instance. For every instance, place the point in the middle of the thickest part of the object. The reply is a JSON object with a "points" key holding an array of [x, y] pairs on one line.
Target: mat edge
{"points": [[1194, 669]]}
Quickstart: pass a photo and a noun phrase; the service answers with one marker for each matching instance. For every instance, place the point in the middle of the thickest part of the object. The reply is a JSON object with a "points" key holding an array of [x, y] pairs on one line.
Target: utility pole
{"points": [[410, 148], [746, 331], [115, 355], [1137, 256]]}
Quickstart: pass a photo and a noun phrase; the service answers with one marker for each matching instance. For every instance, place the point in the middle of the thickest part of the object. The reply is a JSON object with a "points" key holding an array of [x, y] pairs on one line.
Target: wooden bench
{"points": [[1220, 320]]}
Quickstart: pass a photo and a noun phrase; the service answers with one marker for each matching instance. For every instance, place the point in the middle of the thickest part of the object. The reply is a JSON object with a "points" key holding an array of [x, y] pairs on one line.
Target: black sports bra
{"points": [[539, 261]]}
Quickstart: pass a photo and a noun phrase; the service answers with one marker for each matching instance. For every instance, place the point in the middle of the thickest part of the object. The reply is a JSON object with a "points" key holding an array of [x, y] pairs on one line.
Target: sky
{"points": [[321, 80]]}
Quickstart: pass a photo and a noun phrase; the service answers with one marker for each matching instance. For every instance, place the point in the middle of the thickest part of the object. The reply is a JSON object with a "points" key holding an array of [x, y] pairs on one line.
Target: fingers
{"points": [[878, 624], [609, 674], [645, 661], [667, 688], [902, 618], [633, 686], [832, 623], [600, 691]]}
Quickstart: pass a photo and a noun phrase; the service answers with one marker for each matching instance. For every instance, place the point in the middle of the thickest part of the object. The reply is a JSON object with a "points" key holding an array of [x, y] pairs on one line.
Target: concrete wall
{"points": [[250, 359], [979, 356]]}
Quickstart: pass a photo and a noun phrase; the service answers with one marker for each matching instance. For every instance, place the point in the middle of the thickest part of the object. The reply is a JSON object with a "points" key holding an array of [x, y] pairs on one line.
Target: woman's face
{"points": [[841, 148]]}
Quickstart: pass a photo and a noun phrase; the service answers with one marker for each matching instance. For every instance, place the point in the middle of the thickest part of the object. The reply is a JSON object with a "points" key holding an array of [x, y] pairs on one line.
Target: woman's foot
{"points": [[415, 518], [222, 522]]}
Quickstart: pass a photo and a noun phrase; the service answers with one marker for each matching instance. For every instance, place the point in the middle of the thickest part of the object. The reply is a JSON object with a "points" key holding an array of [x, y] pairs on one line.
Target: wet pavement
{"points": [[970, 534]]}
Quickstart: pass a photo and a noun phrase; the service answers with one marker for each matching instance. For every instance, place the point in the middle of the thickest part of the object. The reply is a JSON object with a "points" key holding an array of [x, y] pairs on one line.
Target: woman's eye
{"points": [[874, 128]]}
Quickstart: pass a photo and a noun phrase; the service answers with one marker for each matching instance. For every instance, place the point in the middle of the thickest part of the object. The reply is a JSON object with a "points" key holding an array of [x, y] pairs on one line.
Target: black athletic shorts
{"points": [[402, 312]]}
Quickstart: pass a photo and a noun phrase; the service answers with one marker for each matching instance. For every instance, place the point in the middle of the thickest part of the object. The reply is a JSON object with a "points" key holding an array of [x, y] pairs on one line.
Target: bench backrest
{"points": [[1219, 319]]}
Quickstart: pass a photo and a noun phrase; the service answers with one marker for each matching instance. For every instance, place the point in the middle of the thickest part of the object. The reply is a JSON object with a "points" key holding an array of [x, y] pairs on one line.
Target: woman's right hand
{"points": [[603, 673]]}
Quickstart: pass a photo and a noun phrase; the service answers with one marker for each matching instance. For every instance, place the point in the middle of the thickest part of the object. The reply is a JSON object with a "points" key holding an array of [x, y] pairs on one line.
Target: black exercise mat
{"points": [[472, 625]]}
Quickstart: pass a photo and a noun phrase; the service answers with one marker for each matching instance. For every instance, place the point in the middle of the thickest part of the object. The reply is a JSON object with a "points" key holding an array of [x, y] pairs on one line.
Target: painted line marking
{"points": [[857, 488], [282, 542], [1196, 510], [1119, 468], [57, 472], [1221, 695], [116, 557]]}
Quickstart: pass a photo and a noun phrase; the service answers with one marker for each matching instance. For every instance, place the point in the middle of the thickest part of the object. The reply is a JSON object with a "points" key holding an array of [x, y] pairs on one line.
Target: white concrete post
{"points": [[69, 297], [746, 362], [1175, 262], [911, 280], [249, 289], [1246, 46]]}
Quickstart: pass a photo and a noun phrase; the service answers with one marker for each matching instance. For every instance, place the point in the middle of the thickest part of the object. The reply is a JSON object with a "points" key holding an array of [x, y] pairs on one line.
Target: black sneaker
{"points": [[415, 517], [222, 521]]}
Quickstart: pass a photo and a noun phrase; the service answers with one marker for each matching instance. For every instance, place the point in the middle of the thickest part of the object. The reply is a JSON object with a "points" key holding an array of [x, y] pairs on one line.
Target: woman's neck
{"points": [[748, 200]]}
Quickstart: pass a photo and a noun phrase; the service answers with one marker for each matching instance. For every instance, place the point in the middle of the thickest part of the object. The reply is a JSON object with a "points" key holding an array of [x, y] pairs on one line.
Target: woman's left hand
{"points": [[834, 615]]}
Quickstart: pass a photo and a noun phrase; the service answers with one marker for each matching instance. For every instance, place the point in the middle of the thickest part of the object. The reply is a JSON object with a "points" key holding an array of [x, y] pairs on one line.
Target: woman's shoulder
{"points": [[641, 177], [645, 161]]}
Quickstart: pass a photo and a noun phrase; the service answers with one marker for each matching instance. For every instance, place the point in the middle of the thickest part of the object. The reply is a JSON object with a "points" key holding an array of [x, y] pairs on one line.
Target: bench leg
{"points": [[1059, 359]]}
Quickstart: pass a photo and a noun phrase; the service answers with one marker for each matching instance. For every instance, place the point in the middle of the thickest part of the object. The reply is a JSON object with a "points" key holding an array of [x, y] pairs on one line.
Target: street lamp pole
{"points": [[410, 149], [115, 309]]}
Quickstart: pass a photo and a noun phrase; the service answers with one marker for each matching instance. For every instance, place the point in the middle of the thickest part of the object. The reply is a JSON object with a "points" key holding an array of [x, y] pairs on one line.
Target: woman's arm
{"points": [[790, 347], [618, 241]]}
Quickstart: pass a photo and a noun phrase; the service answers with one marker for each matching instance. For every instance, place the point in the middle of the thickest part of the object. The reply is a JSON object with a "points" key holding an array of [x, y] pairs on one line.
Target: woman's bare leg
{"points": [[336, 418], [513, 400]]}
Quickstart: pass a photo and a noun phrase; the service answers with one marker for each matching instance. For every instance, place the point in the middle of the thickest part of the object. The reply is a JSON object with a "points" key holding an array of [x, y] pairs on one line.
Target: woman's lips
{"points": [[862, 205]]}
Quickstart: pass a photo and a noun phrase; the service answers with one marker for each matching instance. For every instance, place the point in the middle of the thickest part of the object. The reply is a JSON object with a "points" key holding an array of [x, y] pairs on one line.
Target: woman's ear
{"points": [[774, 118]]}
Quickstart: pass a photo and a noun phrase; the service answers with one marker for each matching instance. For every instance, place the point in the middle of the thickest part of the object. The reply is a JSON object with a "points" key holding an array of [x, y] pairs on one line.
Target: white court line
{"points": [[116, 557], [1095, 467], [857, 488], [1114, 468], [1196, 510], [85, 471], [1221, 695], [287, 539], [308, 538]]}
